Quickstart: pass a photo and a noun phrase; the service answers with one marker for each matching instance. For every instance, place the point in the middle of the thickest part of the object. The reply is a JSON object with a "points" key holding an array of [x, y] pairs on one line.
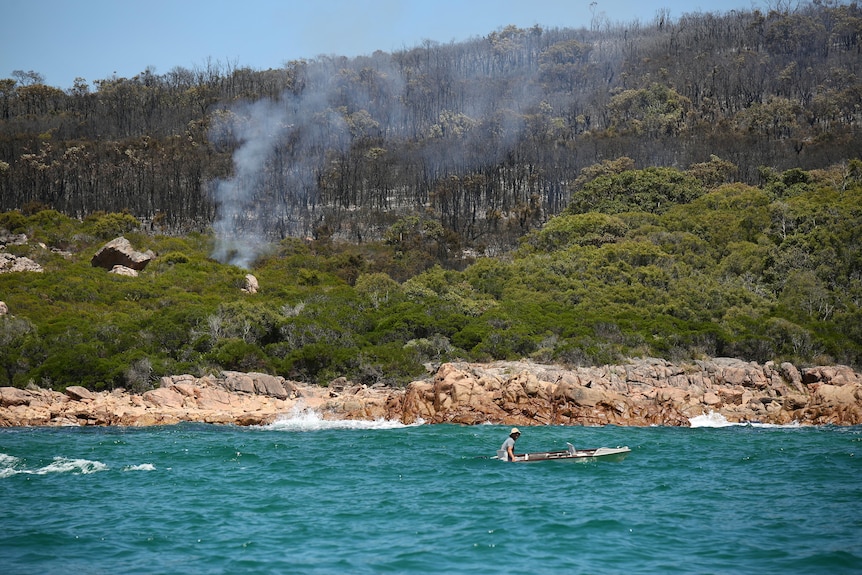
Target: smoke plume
{"points": [[279, 150], [282, 148]]}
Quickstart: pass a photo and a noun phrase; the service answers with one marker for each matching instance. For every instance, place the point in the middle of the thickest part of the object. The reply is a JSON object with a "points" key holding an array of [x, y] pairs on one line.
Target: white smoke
{"points": [[257, 127], [282, 148]]}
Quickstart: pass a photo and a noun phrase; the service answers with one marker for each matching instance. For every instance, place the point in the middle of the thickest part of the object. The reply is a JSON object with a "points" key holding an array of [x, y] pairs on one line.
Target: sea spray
{"points": [[301, 419], [10, 465], [711, 419], [141, 467], [717, 420]]}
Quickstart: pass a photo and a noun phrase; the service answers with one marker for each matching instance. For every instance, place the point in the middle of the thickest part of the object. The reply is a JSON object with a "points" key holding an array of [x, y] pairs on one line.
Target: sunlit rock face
{"points": [[119, 252], [642, 393]]}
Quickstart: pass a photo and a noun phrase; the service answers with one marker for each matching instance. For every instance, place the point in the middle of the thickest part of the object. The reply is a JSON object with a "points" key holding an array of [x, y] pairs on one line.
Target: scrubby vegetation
{"points": [[682, 269], [679, 188]]}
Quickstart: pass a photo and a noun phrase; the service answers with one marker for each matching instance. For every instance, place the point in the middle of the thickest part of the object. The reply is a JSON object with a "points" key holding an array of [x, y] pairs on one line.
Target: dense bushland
{"points": [[684, 268], [681, 188]]}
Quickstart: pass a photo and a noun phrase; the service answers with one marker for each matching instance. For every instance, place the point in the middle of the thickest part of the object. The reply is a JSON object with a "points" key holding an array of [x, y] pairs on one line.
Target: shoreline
{"points": [[643, 392]]}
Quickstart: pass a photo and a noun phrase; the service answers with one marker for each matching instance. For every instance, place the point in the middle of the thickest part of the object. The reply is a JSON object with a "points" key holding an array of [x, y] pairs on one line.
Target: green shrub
{"points": [[14, 222], [578, 229], [237, 355], [109, 226], [20, 347], [378, 288], [652, 190], [320, 362], [175, 258]]}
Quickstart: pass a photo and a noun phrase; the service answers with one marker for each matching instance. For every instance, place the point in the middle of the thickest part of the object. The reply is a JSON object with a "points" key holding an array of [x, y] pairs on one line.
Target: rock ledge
{"points": [[640, 393]]}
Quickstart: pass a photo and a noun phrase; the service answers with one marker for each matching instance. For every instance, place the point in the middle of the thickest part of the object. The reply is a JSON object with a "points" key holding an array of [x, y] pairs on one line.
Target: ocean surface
{"points": [[309, 496]]}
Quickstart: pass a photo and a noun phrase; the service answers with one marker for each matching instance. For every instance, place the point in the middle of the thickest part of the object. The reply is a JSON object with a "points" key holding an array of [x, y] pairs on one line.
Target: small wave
{"points": [[713, 419], [793, 425], [141, 467], [76, 466], [9, 466], [6, 459], [300, 419]]}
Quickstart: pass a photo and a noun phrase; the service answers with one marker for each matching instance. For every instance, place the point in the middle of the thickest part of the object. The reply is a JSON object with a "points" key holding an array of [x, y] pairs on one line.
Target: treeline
{"points": [[486, 138], [689, 264]]}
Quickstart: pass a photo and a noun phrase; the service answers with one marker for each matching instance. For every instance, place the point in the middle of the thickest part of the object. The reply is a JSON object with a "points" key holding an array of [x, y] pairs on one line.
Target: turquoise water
{"points": [[308, 496]]}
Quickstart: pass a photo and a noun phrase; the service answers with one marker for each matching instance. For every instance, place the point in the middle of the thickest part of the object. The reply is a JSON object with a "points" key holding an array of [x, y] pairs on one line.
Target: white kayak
{"points": [[570, 454]]}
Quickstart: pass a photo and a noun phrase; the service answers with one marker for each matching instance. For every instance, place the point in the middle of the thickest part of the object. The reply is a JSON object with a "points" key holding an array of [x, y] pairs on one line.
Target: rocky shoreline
{"points": [[641, 393]]}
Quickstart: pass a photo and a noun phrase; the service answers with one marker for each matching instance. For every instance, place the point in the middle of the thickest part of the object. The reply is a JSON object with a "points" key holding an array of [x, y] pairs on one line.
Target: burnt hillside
{"points": [[486, 138]]}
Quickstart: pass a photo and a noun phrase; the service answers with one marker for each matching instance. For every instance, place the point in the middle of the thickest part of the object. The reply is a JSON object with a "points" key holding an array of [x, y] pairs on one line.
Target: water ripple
{"points": [[320, 498]]}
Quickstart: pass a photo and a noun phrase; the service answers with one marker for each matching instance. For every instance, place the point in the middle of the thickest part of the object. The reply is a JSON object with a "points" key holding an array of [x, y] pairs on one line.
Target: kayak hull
{"points": [[603, 453]]}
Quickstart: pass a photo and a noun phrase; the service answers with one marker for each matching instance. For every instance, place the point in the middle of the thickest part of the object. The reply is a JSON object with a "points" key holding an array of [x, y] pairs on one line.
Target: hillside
{"points": [[768, 273], [681, 189], [487, 137]]}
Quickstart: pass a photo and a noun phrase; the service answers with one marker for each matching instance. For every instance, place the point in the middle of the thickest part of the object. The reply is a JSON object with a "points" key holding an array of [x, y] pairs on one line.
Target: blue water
{"points": [[308, 496]]}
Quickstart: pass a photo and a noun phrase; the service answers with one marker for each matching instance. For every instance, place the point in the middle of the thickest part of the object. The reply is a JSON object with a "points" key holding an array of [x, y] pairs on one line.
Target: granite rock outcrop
{"points": [[640, 393], [119, 252], [12, 264]]}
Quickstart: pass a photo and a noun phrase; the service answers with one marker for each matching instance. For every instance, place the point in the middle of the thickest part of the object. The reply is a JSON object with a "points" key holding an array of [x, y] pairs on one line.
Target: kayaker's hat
{"points": [[514, 431]]}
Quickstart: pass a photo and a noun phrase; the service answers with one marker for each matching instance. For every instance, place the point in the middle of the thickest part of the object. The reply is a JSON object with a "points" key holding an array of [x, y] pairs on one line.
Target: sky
{"points": [[97, 39]]}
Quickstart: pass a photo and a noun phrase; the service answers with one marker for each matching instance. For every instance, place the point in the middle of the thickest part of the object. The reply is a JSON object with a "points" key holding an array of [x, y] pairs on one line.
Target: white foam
{"points": [[141, 467], [7, 465], [77, 466], [8, 460], [792, 425], [713, 419], [300, 419]]}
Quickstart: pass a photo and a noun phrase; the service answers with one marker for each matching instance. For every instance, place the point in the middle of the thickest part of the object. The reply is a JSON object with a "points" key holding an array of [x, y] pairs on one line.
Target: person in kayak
{"points": [[508, 447]]}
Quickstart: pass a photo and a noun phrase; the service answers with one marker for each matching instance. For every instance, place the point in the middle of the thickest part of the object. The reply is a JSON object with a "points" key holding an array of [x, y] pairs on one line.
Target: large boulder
{"points": [[271, 385], [236, 381], [838, 395], [10, 396], [585, 396], [831, 374], [79, 393], [163, 397], [119, 252], [212, 398], [9, 239], [251, 285]]}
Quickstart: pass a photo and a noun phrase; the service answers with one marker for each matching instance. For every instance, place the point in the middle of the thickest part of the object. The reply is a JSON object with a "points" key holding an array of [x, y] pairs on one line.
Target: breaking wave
{"points": [[10, 465], [304, 419], [713, 419], [141, 467]]}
